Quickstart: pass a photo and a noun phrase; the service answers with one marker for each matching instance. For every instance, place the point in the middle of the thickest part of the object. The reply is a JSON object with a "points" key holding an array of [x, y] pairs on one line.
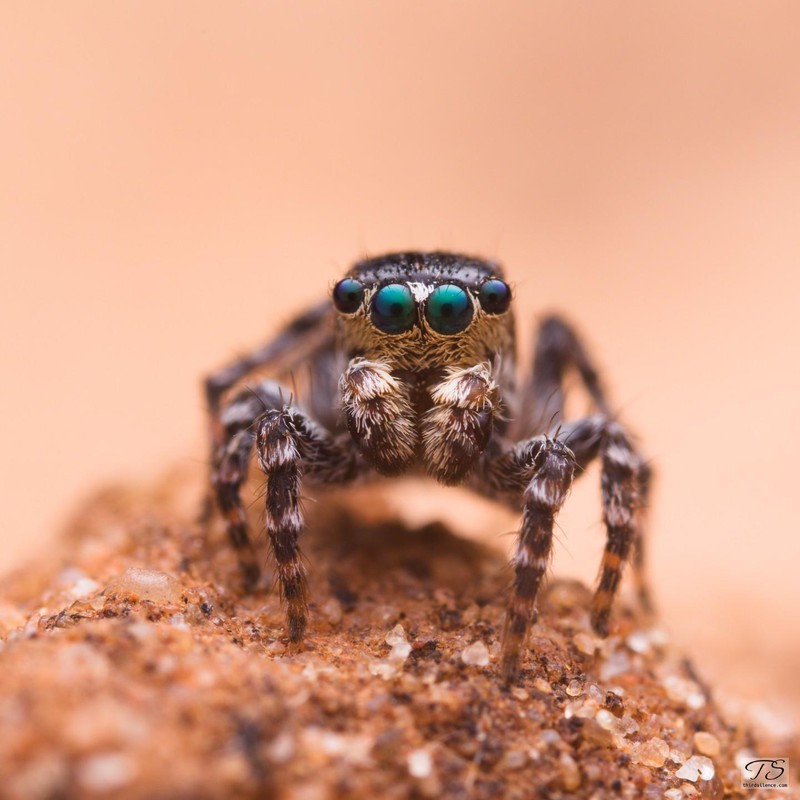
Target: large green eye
{"points": [[495, 296], [448, 309], [393, 308], [347, 295]]}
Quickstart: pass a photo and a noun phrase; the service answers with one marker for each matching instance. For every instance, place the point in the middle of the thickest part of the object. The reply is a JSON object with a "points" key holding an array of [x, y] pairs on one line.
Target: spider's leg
{"points": [[558, 348], [299, 338], [541, 471], [230, 466], [624, 483], [380, 415], [289, 443], [638, 561], [458, 427], [228, 474]]}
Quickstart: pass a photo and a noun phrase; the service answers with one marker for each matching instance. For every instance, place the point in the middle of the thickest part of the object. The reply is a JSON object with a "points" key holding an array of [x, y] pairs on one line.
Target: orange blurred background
{"points": [[176, 179]]}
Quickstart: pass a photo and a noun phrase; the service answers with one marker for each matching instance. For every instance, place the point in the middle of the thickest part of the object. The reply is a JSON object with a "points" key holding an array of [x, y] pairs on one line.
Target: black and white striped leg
{"points": [[305, 332], [228, 475], [558, 348], [639, 560], [624, 484], [289, 444], [543, 469], [230, 465]]}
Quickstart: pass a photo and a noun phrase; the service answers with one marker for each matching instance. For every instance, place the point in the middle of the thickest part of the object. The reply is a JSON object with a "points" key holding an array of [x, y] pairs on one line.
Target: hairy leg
{"points": [[624, 483], [558, 348], [300, 337], [380, 415], [457, 429], [541, 469], [289, 443], [230, 465]]}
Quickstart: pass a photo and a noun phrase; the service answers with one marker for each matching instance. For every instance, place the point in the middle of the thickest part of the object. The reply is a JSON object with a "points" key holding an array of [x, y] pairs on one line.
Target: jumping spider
{"points": [[412, 366]]}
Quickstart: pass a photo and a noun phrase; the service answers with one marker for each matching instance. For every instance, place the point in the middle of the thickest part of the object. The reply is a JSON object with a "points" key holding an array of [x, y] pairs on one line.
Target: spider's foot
{"points": [[599, 617], [297, 629], [514, 635]]}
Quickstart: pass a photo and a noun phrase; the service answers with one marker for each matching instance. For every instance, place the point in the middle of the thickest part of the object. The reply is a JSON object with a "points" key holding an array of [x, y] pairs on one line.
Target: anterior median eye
{"points": [[495, 296], [347, 295], [393, 308], [448, 309]]}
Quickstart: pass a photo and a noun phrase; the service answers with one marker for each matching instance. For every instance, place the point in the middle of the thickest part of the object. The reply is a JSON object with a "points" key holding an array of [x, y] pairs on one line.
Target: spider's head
{"points": [[424, 310]]}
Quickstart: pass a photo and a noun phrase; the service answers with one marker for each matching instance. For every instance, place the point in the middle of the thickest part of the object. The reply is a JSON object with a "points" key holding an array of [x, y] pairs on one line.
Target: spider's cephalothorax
{"points": [[410, 366]]}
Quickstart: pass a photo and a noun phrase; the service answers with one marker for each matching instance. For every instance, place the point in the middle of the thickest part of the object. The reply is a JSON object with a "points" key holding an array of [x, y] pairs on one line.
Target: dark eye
{"points": [[495, 296], [393, 308], [347, 295], [448, 309]]}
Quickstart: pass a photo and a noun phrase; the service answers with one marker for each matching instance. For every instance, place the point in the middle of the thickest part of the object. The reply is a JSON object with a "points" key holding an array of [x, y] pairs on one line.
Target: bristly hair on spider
{"points": [[412, 367]]}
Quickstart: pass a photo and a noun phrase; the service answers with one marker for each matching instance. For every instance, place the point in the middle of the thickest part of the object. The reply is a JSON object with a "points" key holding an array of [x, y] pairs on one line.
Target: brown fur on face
{"points": [[421, 348]]}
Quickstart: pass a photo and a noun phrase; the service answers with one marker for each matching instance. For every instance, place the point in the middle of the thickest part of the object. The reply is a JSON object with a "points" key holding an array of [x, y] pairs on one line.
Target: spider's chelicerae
{"points": [[412, 367]]}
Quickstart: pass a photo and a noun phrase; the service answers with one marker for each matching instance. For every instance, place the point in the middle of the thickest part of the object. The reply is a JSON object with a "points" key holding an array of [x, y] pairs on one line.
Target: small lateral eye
{"points": [[495, 296], [393, 308], [347, 295], [448, 309]]}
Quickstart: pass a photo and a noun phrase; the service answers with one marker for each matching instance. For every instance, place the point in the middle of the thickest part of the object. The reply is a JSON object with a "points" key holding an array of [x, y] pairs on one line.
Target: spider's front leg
{"points": [[541, 471], [289, 443], [458, 427], [380, 415]]}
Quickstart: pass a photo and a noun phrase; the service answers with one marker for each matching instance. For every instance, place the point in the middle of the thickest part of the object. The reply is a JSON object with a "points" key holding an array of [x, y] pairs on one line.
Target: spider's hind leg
{"points": [[638, 560], [230, 466], [625, 480]]}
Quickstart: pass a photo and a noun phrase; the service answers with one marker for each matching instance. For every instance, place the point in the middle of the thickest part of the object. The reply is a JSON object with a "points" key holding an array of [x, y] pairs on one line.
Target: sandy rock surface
{"points": [[131, 666]]}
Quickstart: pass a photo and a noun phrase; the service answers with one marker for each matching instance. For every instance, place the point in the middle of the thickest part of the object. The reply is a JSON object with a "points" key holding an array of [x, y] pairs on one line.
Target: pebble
{"points": [[595, 693], [678, 756], [84, 587], [383, 669], [585, 644], [638, 641], [145, 584], [651, 753], [106, 772], [574, 688], [621, 726], [697, 767], [541, 685], [399, 653], [683, 690], [706, 743], [396, 635], [281, 749], [332, 611], [420, 763], [570, 774], [475, 654]]}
